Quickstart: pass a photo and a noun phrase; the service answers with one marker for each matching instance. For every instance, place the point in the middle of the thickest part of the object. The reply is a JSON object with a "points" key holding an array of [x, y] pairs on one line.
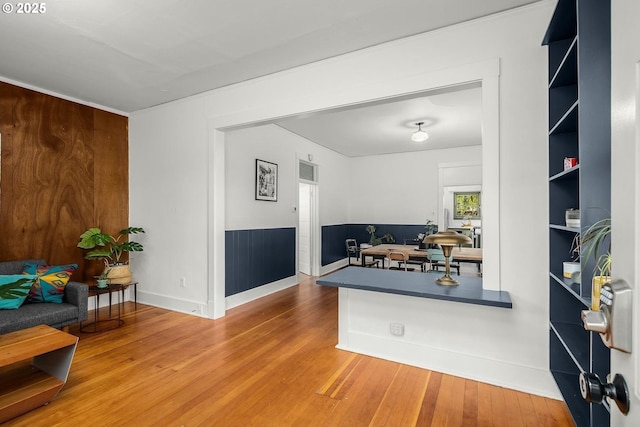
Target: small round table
{"points": [[101, 325]]}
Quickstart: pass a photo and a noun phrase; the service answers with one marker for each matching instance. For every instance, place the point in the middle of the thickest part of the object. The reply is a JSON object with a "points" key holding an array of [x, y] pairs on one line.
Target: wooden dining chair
{"points": [[401, 257]]}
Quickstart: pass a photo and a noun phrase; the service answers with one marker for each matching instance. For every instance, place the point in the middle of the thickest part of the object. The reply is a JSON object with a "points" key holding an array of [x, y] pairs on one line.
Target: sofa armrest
{"points": [[77, 293]]}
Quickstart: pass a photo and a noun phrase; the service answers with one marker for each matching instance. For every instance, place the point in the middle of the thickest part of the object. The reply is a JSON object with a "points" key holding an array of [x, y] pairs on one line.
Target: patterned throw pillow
{"points": [[14, 289], [51, 281]]}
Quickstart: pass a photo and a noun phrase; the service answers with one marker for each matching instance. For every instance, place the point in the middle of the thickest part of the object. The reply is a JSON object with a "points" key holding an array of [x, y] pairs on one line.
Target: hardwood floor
{"points": [[272, 362]]}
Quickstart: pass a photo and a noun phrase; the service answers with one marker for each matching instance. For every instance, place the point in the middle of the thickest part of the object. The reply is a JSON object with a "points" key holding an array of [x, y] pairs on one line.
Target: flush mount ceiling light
{"points": [[419, 135]]}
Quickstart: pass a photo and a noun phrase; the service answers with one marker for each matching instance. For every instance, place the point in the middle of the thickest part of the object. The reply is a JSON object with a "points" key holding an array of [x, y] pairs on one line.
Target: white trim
{"points": [[487, 72], [195, 308], [65, 97], [216, 224], [260, 291], [326, 269]]}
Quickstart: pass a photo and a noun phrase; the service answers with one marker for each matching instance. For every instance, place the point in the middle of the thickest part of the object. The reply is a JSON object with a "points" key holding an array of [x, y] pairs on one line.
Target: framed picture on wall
{"points": [[266, 181], [466, 205]]}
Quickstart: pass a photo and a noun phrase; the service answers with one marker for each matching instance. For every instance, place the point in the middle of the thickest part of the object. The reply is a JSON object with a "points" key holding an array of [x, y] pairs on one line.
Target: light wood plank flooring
{"points": [[272, 362]]}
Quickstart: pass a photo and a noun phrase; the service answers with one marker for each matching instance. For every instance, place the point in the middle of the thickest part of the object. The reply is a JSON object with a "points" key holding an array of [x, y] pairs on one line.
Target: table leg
{"points": [[96, 312]]}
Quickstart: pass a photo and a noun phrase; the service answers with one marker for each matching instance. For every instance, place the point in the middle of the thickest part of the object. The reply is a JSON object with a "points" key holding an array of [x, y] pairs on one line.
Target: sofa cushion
{"points": [[14, 289], [51, 281], [28, 315]]}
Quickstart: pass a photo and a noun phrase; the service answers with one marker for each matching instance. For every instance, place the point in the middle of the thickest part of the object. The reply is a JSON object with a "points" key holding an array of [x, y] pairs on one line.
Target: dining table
{"points": [[459, 254]]}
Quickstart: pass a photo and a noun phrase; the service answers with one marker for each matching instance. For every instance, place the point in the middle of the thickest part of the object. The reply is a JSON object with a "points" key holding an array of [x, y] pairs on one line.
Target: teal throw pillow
{"points": [[51, 282], [14, 289]]}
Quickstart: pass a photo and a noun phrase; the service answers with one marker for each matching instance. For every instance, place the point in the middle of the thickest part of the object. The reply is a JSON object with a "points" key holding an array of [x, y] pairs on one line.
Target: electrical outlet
{"points": [[183, 282], [396, 329]]}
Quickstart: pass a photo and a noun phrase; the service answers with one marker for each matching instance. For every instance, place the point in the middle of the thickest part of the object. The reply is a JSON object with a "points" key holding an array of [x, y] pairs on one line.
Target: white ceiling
{"points": [[127, 55], [452, 118]]}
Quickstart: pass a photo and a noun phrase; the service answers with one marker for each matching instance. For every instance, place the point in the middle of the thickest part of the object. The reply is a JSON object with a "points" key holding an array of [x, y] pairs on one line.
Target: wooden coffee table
{"points": [[34, 366]]}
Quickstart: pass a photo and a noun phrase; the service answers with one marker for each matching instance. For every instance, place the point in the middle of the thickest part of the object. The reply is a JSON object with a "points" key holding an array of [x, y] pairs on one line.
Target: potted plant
{"points": [[375, 240], [110, 249], [430, 228], [103, 278], [596, 237]]}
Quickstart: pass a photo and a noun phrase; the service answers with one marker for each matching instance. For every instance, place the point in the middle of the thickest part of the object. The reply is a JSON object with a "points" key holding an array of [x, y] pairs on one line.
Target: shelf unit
{"points": [[579, 52]]}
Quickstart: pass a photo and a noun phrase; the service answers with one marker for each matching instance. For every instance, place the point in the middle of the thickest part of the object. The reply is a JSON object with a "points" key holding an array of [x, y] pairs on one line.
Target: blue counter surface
{"points": [[414, 284]]}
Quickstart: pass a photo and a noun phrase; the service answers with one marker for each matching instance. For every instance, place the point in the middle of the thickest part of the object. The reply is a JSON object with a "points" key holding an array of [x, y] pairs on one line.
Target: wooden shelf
{"points": [[34, 365]]}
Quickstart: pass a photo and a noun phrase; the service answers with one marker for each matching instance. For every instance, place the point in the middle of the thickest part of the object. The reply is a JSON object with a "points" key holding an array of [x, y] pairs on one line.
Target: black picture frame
{"points": [[266, 181]]}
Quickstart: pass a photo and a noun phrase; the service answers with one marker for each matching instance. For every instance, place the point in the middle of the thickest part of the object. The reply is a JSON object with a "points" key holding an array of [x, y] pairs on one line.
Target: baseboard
{"points": [[500, 373], [259, 292], [194, 308], [326, 269], [197, 308]]}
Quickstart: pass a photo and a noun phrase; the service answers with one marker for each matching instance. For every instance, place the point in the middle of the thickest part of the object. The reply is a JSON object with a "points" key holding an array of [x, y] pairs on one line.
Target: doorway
{"points": [[307, 219], [304, 228]]}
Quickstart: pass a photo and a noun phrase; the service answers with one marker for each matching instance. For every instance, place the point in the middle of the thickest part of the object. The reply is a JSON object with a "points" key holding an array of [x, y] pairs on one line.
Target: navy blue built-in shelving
{"points": [[579, 52]]}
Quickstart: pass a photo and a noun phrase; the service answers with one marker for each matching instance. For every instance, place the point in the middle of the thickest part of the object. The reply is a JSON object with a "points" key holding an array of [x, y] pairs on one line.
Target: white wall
{"points": [[277, 145], [168, 172], [400, 188], [169, 148]]}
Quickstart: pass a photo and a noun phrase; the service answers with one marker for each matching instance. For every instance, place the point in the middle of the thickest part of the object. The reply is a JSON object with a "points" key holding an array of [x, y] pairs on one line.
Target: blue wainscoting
{"points": [[256, 257], [333, 247], [333, 237]]}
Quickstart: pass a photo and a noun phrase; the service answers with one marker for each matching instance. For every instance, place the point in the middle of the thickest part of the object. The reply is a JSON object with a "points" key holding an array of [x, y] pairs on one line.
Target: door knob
{"points": [[593, 390]]}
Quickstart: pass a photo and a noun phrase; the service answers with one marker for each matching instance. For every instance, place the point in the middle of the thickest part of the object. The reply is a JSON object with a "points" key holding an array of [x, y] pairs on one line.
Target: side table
{"points": [[101, 325], [135, 293]]}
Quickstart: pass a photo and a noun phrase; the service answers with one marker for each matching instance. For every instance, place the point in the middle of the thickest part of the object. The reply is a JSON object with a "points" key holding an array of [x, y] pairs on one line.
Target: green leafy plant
{"points": [[375, 240], [598, 236], [431, 227], [109, 248], [104, 275]]}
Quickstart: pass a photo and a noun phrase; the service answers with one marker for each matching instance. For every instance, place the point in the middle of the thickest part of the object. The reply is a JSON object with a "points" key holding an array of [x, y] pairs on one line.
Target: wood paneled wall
{"points": [[64, 168]]}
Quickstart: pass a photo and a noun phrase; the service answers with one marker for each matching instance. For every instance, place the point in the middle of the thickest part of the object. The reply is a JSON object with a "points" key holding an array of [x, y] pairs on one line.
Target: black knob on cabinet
{"points": [[594, 391]]}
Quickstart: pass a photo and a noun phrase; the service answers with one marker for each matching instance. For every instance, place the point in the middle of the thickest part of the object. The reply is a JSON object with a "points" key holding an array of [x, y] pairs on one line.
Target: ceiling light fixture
{"points": [[419, 135]]}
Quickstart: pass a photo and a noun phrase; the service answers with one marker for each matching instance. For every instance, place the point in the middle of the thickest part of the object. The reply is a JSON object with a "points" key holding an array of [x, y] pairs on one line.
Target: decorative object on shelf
{"points": [[466, 205], [570, 162], [419, 135], [266, 181], [447, 240], [572, 218], [375, 240], [109, 249], [570, 268], [598, 236]]}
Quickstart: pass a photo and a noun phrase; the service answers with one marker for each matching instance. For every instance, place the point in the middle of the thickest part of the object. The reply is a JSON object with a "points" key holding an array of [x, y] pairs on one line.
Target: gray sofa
{"points": [[72, 310]]}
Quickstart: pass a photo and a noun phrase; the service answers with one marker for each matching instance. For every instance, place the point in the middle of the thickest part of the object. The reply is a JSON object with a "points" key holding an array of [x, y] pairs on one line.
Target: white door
{"points": [[304, 229], [625, 184]]}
